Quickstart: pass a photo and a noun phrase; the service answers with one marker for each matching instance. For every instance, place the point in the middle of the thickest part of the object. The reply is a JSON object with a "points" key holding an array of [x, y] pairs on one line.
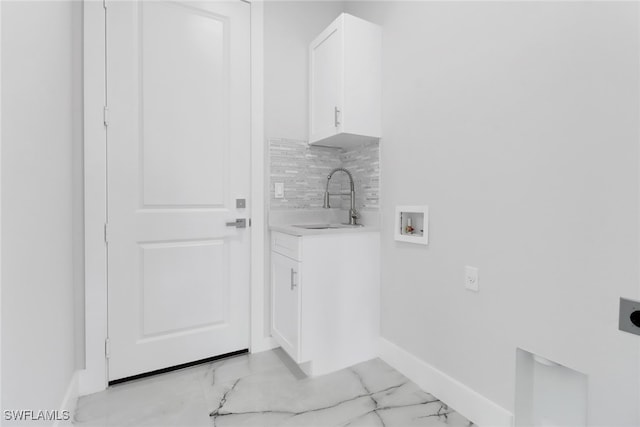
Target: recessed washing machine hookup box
{"points": [[412, 224]]}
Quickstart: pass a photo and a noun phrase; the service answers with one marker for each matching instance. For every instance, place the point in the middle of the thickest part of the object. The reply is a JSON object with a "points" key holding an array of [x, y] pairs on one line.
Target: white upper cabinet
{"points": [[345, 83]]}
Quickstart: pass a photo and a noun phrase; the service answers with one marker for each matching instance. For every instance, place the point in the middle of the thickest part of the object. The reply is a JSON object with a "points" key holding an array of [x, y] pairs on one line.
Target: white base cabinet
{"points": [[325, 292]]}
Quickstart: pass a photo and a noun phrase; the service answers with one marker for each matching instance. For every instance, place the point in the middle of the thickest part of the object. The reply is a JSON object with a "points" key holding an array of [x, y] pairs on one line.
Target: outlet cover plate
{"points": [[279, 190], [471, 278], [627, 307]]}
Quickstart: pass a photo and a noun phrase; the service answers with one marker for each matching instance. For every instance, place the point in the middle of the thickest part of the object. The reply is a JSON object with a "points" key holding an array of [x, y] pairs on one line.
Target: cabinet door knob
{"points": [[336, 113], [293, 283]]}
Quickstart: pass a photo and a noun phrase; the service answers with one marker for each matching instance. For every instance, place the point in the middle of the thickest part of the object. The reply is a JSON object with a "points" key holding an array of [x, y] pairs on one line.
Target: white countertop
{"points": [[297, 231], [284, 221]]}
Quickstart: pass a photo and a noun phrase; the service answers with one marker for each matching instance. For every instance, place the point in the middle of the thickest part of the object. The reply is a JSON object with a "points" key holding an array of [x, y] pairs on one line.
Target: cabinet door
{"points": [[326, 80], [285, 307]]}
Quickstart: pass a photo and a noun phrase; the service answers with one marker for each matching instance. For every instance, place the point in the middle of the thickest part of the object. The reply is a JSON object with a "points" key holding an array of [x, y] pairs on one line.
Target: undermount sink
{"points": [[326, 226]]}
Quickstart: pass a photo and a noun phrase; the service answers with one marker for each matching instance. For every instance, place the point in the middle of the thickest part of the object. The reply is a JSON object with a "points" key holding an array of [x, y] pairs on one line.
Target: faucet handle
{"points": [[353, 215]]}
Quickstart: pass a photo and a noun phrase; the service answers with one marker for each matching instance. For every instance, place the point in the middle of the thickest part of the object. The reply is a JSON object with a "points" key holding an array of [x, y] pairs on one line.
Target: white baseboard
{"points": [[92, 380], [70, 400], [469, 403], [264, 344]]}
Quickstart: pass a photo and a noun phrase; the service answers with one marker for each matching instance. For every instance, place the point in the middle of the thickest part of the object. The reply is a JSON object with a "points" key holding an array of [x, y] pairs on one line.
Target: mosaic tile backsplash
{"points": [[303, 169]]}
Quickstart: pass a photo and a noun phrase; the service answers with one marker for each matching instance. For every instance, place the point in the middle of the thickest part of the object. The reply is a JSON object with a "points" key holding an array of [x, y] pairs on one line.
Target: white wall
{"points": [[40, 118], [289, 26], [517, 123]]}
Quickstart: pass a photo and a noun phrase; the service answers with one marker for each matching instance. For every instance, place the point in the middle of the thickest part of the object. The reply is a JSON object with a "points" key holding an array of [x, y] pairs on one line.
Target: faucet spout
{"points": [[353, 214]]}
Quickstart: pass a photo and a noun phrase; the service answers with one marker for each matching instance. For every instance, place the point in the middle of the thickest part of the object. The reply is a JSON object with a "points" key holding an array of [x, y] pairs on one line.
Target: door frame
{"points": [[0, 206], [94, 377]]}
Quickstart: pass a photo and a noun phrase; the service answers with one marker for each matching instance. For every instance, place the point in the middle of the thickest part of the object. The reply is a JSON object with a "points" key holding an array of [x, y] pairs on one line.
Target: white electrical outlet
{"points": [[279, 190], [471, 278]]}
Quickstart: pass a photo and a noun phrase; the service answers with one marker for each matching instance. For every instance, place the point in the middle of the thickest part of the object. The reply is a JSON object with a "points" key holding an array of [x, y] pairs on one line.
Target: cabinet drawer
{"points": [[287, 245]]}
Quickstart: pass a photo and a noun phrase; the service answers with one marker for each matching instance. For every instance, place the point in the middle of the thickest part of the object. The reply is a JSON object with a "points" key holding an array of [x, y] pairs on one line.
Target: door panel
{"points": [[184, 87], [286, 282], [184, 286], [178, 157], [326, 65]]}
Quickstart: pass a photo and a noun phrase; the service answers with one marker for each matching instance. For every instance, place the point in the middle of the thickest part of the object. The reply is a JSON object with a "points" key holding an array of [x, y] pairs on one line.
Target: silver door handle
{"points": [[238, 223], [293, 284], [336, 121]]}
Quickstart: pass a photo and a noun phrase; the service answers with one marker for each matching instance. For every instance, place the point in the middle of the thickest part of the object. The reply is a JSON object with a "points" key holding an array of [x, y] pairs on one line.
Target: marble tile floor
{"points": [[268, 389]]}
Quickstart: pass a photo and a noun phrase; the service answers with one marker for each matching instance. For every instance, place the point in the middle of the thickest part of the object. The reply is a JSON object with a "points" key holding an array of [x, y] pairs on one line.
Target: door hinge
{"points": [[107, 348], [106, 232], [105, 115]]}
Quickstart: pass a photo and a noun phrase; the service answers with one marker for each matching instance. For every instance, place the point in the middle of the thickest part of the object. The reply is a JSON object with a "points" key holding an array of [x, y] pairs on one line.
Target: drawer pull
{"points": [[293, 283]]}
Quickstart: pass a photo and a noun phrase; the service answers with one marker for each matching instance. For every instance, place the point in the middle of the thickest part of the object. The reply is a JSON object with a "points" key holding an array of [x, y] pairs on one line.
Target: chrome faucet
{"points": [[353, 214]]}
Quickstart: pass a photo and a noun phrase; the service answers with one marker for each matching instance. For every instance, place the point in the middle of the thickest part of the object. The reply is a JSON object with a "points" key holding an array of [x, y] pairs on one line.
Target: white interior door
{"points": [[178, 90]]}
